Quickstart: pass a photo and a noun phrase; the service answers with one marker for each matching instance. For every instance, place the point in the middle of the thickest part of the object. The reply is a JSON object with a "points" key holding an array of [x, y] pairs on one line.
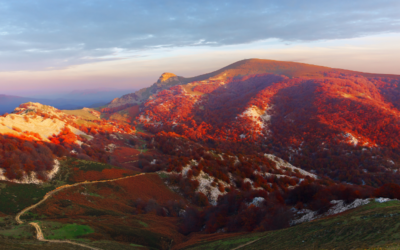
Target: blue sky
{"points": [[60, 44]]}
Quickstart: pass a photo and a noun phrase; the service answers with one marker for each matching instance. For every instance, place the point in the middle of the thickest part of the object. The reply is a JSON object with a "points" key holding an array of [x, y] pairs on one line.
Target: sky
{"points": [[49, 46]]}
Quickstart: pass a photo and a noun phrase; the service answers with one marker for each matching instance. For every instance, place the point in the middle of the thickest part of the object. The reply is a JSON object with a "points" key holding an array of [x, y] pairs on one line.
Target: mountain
{"points": [[339, 123], [74, 100], [211, 161], [98, 97], [241, 68], [8, 102]]}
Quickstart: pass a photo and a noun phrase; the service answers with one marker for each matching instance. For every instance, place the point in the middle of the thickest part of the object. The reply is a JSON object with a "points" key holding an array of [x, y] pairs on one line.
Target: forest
{"points": [[333, 137]]}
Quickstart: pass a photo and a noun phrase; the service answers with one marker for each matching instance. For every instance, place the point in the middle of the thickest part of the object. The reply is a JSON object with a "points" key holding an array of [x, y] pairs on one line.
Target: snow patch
{"points": [[257, 115], [110, 148], [32, 177], [281, 164], [353, 140], [257, 201], [339, 206], [382, 200], [205, 187], [205, 183]]}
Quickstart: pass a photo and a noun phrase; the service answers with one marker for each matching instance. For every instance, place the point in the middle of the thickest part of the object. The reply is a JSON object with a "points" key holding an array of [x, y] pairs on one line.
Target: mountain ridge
{"points": [[240, 68]]}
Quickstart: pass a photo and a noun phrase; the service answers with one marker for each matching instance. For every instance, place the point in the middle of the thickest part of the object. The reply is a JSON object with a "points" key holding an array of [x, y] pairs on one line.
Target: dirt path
{"points": [[51, 193], [39, 233], [248, 243], [39, 236]]}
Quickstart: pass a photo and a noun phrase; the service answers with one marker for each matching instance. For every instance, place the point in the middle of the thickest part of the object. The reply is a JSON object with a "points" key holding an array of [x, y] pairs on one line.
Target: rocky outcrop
{"points": [[166, 80]]}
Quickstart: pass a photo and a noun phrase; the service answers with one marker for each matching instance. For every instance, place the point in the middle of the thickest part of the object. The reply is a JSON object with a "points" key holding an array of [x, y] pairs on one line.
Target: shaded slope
{"points": [[136, 210], [368, 227]]}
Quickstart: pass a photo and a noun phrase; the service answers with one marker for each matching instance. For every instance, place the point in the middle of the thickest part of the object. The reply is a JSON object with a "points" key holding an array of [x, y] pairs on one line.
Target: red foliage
{"points": [[22, 154], [105, 174], [311, 121], [66, 136], [389, 190], [116, 109], [207, 88]]}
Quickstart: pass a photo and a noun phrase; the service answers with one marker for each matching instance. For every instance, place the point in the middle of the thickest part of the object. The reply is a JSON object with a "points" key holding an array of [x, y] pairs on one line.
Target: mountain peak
{"points": [[165, 77]]}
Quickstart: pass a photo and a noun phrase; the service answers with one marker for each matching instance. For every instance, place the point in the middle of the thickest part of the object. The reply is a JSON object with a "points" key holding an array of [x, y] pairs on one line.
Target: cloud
{"points": [[47, 34]]}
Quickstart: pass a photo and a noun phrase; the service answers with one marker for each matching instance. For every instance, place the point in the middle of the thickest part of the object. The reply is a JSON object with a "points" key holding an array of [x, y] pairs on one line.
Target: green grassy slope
{"points": [[15, 197], [374, 226], [82, 113]]}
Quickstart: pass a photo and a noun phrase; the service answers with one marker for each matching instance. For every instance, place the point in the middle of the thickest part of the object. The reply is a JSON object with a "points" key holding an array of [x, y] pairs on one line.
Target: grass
{"points": [[32, 216], [17, 232], [136, 245], [163, 175], [143, 223], [15, 197], [82, 113], [88, 165], [94, 194], [34, 244], [373, 226], [58, 231]]}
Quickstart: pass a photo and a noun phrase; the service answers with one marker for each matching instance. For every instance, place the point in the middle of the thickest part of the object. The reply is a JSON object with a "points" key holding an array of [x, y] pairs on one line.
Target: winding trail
{"points": [[246, 244], [39, 236], [39, 233]]}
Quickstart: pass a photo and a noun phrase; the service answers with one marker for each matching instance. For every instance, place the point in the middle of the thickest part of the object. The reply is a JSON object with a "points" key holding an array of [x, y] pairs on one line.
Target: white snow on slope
{"points": [[205, 186], [353, 140], [257, 115], [257, 201], [32, 178], [339, 206], [281, 164], [205, 183]]}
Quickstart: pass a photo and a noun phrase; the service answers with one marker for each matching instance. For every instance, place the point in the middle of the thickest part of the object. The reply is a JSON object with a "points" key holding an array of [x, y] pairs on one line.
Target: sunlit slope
{"points": [[372, 226], [240, 68], [303, 119]]}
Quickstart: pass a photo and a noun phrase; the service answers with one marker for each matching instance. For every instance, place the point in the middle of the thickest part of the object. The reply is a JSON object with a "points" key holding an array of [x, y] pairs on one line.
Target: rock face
{"points": [[166, 80], [126, 99]]}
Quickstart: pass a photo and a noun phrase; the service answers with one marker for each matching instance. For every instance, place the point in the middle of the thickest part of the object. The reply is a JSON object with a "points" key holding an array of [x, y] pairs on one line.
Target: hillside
{"points": [[35, 136], [301, 113], [257, 146], [368, 227]]}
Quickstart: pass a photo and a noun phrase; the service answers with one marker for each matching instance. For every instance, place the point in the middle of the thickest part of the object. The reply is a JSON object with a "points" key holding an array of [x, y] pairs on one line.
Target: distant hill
{"points": [[76, 99], [100, 96], [8, 103]]}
